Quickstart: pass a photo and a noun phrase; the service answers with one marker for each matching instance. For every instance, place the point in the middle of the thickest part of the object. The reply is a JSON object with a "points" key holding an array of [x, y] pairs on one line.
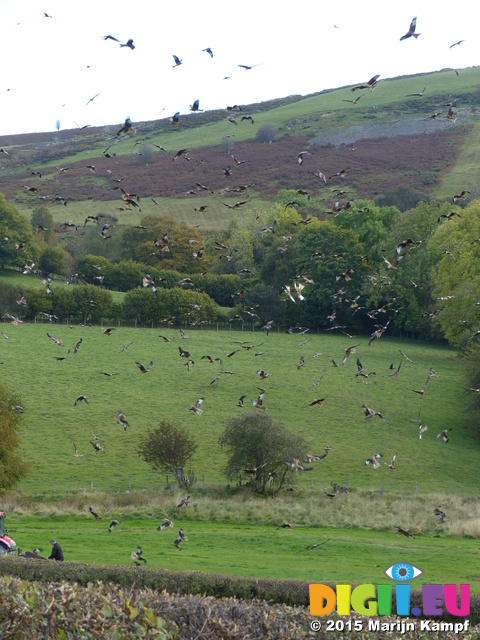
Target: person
{"points": [[57, 553]]}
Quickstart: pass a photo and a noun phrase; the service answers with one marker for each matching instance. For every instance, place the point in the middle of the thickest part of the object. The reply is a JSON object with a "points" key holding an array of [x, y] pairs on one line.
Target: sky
{"points": [[52, 66]]}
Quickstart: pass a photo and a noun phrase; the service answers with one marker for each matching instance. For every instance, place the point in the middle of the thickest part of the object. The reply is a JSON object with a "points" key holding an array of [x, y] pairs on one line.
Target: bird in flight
{"points": [[56, 340], [356, 99], [420, 95], [112, 526], [421, 430], [181, 536], [126, 127], [443, 435], [183, 502], [258, 403], [456, 43], [97, 447], [315, 457], [165, 524], [209, 51], [253, 470], [370, 413], [76, 454], [450, 116], [317, 401], [178, 62], [371, 84], [80, 399], [460, 196], [137, 557], [403, 532], [92, 99], [374, 461], [195, 106], [448, 216], [247, 67], [94, 513], [392, 463], [411, 30], [142, 368], [196, 407], [110, 38], [119, 417], [129, 44], [348, 351], [440, 514]]}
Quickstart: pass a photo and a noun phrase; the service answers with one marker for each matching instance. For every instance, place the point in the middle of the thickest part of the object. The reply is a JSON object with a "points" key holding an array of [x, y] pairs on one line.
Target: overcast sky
{"points": [[52, 66]]}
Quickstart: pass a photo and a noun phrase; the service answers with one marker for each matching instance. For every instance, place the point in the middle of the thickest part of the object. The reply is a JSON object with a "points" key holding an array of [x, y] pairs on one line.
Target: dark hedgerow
{"points": [[294, 593]]}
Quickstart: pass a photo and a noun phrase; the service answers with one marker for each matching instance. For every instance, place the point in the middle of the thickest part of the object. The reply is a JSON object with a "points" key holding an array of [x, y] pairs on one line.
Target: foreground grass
{"points": [[346, 555], [239, 533], [47, 389]]}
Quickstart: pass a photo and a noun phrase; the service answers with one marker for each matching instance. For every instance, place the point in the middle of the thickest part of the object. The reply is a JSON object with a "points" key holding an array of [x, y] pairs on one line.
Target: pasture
{"points": [[48, 387], [346, 555]]}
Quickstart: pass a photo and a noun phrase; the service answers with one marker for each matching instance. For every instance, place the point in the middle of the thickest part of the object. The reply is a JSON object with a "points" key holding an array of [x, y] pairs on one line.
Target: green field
{"points": [[233, 531], [47, 389], [344, 555]]}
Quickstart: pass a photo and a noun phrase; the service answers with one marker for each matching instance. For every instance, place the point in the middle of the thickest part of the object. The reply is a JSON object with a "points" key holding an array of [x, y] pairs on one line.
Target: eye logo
{"points": [[403, 572]]}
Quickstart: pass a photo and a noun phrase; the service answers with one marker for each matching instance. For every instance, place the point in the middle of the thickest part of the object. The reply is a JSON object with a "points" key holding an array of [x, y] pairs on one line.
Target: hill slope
{"points": [[387, 138]]}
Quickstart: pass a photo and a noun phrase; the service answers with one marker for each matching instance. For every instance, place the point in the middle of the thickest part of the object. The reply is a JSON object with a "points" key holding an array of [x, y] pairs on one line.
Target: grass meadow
{"points": [[47, 389], [230, 530], [344, 555]]}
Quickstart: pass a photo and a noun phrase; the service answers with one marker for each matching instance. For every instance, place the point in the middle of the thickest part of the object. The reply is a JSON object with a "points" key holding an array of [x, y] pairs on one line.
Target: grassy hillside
{"points": [[47, 389], [386, 139]]}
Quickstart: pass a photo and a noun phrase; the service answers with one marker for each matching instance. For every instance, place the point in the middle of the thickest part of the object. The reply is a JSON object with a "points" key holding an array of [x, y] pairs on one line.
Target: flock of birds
{"points": [[296, 293]]}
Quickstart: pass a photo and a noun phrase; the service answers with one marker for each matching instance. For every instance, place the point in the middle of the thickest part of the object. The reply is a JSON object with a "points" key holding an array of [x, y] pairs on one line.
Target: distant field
{"points": [[48, 388], [216, 218], [16, 278]]}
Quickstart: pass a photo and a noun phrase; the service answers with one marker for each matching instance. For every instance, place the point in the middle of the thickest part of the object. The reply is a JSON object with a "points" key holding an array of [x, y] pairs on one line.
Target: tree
{"points": [[16, 238], [168, 448], [52, 260], [12, 466], [255, 441], [43, 225]]}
